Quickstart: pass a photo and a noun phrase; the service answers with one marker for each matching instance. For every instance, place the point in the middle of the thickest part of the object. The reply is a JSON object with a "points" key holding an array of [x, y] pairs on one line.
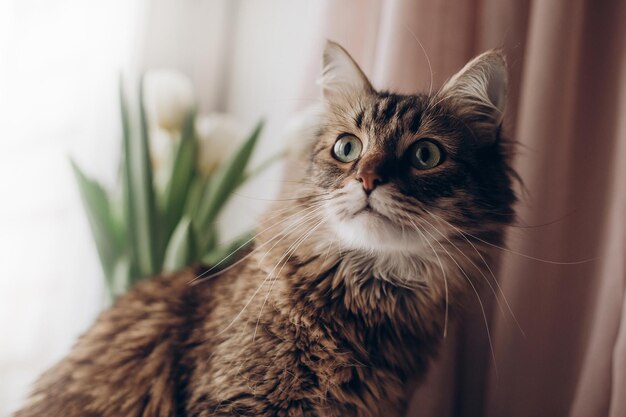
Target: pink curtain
{"points": [[567, 108]]}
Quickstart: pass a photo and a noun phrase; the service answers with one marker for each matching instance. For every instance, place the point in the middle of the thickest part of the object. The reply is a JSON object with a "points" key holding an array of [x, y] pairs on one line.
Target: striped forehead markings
{"points": [[392, 111]]}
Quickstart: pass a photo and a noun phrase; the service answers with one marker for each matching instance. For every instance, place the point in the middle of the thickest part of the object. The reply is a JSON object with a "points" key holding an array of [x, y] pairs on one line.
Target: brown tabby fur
{"points": [[306, 324]]}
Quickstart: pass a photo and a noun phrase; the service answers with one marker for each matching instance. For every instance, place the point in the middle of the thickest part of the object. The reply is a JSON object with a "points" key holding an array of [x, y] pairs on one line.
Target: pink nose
{"points": [[369, 179]]}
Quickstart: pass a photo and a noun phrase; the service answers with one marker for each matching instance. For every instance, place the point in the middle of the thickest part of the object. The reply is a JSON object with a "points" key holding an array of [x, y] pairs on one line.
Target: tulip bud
{"points": [[219, 136], [168, 98]]}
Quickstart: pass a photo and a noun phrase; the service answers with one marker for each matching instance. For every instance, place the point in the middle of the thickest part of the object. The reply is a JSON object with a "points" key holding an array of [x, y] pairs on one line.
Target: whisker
{"points": [[301, 182], [534, 258], [548, 223], [488, 268], [471, 262], [482, 307], [330, 245], [430, 68], [290, 250], [445, 280], [255, 292], [304, 219], [281, 199], [203, 274]]}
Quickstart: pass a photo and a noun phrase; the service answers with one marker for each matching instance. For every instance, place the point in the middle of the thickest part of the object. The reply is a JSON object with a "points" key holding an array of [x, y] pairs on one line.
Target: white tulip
{"points": [[219, 136], [169, 99]]}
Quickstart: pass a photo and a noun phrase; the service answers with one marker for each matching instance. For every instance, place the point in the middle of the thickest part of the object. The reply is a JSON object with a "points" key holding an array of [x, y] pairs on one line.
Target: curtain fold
{"points": [[603, 377]]}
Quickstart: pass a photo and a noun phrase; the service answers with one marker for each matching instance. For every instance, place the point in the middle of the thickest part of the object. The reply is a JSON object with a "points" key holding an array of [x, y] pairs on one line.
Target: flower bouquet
{"points": [[177, 171]]}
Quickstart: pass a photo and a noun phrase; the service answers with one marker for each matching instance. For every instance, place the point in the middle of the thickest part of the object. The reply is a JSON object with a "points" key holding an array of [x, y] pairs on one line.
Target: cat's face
{"points": [[401, 172]]}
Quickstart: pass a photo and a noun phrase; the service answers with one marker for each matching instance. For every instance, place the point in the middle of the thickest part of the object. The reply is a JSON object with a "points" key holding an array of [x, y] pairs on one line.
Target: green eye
{"points": [[425, 154], [347, 148]]}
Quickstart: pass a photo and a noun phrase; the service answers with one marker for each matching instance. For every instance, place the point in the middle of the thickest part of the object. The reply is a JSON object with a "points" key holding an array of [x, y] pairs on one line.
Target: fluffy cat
{"points": [[344, 297]]}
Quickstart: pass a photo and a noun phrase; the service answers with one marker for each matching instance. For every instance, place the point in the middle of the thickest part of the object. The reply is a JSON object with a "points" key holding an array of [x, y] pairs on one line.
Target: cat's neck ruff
{"points": [[359, 274]]}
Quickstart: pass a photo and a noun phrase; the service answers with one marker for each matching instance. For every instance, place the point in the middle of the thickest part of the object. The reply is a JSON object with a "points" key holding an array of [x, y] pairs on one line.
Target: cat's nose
{"points": [[370, 179]]}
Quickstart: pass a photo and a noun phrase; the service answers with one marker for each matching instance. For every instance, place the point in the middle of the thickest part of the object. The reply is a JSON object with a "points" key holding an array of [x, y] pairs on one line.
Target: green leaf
{"points": [[181, 177], [180, 249], [197, 190], [226, 179], [106, 233], [121, 278], [207, 238], [224, 255], [140, 211]]}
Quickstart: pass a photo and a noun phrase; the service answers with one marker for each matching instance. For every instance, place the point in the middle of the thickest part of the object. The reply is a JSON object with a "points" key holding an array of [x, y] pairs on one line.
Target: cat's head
{"points": [[398, 172]]}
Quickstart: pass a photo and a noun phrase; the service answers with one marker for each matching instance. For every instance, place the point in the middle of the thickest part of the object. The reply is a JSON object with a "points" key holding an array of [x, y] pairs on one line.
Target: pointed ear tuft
{"points": [[479, 90], [341, 76]]}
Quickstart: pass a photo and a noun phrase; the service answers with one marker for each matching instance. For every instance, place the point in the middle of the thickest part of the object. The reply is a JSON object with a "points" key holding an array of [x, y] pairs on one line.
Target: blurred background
{"points": [[564, 275]]}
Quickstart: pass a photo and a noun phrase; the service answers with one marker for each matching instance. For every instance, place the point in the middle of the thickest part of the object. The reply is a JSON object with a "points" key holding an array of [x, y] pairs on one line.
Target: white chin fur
{"points": [[367, 230]]}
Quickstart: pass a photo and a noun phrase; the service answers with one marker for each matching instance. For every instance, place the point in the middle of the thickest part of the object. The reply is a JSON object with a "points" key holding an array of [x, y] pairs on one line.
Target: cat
{"points": [[345, 295]]}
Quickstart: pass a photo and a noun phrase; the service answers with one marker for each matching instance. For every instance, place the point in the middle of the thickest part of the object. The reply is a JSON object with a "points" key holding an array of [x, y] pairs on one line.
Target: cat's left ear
{"points": [[342, 79], [478, 92]]}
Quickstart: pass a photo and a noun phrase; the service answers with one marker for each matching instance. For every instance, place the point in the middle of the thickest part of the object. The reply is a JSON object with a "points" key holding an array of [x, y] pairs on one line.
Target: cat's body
{"points": [[171, 348], [343, 299]]}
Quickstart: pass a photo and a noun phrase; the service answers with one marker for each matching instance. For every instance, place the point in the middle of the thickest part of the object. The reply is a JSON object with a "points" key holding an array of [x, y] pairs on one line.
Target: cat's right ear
{"points": [[478, 92], [341, 76]]}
